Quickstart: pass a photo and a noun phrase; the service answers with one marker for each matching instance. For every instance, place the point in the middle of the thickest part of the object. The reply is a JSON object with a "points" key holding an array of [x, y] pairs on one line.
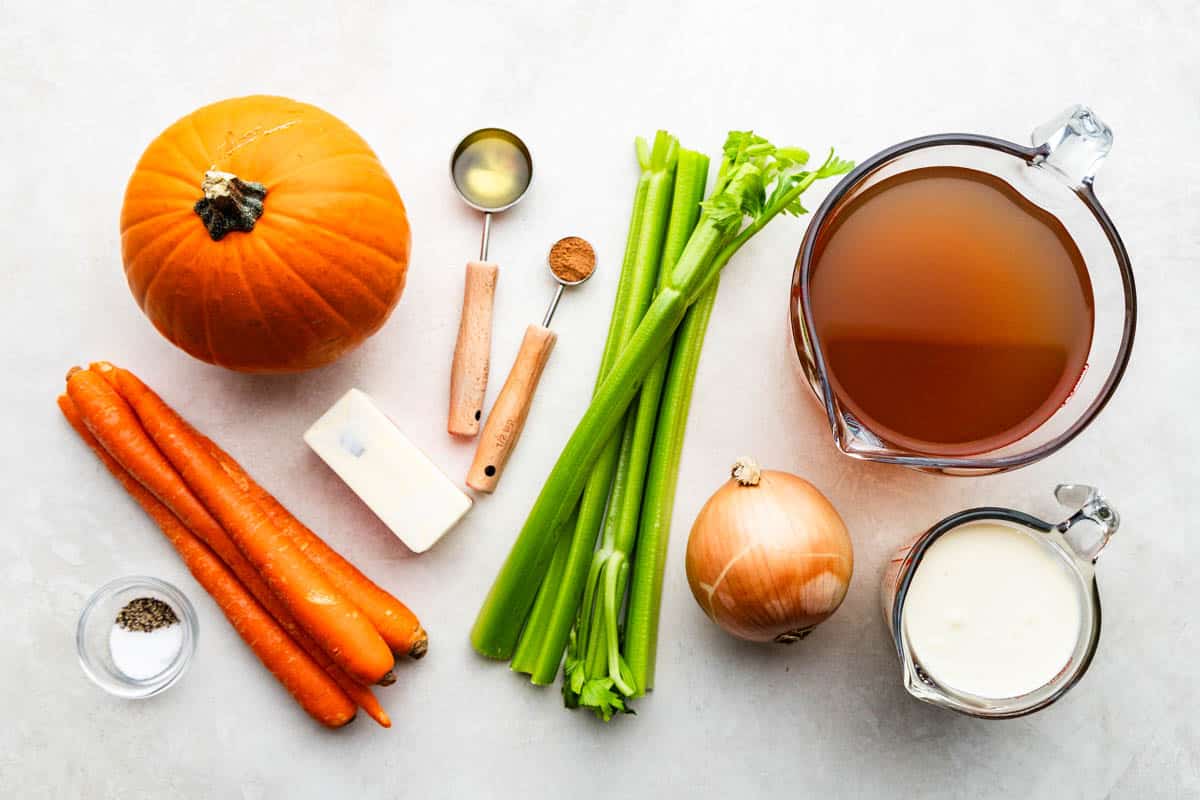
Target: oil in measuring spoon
{"points": [[491, 171]]}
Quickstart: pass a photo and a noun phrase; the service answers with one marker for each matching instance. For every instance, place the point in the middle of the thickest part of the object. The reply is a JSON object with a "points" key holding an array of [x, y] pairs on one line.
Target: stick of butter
{"points": [[392, 476]]}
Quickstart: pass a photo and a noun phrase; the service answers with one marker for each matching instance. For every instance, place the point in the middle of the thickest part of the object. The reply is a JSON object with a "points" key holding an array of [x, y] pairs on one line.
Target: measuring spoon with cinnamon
{"points": [[572, 261]]}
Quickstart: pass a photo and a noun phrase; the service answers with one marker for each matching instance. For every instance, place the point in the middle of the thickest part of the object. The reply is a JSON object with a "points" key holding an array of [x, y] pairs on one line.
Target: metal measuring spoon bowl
{"points": [[491, 169]]}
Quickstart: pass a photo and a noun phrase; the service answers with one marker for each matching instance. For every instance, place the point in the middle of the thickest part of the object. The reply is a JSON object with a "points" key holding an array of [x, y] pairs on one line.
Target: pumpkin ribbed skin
{"points": [[319, 272]]}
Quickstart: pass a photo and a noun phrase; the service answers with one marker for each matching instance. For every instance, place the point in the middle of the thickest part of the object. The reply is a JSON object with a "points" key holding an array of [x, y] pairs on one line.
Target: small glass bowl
{"points": [[95, 625]]}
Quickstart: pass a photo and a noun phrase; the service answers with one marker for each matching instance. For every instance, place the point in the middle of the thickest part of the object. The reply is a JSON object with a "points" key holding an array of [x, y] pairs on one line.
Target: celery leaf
{"points": [[834, 166], [599, 696]]}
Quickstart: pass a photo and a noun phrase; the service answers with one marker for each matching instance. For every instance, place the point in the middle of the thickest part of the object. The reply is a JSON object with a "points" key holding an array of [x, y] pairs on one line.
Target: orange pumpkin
{"points": [[264, 235]]}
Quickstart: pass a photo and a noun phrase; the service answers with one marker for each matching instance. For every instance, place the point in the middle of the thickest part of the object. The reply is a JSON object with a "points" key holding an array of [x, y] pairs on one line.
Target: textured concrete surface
{"points": [[84, 88]]}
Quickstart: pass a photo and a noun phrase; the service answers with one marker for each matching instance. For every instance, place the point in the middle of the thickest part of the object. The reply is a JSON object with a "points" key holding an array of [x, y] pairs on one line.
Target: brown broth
{"points": [[955, 316]]}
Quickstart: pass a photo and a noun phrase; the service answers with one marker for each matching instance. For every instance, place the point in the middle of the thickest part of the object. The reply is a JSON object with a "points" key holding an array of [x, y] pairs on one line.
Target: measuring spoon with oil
{"points": [[572, 261], [491, 169]]}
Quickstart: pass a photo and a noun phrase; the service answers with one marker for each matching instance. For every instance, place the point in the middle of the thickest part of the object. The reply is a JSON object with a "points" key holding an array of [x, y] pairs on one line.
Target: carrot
{"points": [[120, 431], [311, 686], [341, 629], [396, 623], [398, 626]]}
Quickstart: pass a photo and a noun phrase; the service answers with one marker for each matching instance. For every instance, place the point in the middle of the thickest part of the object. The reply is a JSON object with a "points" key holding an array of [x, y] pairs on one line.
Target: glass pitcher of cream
{"points": [[963, 304], [995, 613]]}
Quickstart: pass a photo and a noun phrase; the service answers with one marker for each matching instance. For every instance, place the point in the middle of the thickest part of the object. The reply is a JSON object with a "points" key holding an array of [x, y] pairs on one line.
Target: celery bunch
{"points": [[621, 487]]}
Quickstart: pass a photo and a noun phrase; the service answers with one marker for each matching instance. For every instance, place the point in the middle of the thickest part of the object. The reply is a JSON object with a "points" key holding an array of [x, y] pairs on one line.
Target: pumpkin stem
{"points": [[229, 203]]}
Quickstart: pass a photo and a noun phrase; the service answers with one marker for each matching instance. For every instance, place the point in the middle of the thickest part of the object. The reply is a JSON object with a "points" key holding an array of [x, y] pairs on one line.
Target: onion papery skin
{"points": [[769, 561]]}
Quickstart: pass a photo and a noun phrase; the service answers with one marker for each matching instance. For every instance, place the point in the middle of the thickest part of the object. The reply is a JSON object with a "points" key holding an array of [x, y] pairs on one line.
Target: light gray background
{"points": [[85, 87]]}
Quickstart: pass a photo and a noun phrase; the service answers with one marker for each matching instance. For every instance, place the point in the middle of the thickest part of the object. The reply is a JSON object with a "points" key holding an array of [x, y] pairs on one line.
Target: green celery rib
{"points": [[503, 613], [691, 177], [552, 639], [493, 634], [541, 618], [621, 520], [594, 626], [595, 652], [613, 570], [523, 657], [502, 616], [645, 598], [642, 256], [592, 585]]}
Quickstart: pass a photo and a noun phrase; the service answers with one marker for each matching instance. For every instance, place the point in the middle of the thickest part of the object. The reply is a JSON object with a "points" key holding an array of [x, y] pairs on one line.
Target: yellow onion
{"points": [[768, 558]]}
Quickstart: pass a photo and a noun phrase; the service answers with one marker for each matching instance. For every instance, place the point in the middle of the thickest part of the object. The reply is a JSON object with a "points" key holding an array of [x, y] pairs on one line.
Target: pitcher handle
{"points": [[1089, 506], [1073, 144]]}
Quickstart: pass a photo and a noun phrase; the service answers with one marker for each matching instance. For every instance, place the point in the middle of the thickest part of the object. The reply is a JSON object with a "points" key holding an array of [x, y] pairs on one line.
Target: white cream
{"points": [[992, 611]]}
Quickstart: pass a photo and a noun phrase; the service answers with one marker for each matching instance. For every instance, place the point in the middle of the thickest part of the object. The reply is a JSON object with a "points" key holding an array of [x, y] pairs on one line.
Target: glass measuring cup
{"points": [[1056, 174], [1077, 541]]}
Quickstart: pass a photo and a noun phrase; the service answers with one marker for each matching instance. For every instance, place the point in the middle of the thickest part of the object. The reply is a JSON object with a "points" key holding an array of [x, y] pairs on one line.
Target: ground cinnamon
{"points": [[572, 259]]}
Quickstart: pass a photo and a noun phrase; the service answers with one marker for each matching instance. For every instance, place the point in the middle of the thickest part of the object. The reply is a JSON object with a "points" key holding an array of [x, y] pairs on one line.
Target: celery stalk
{"points": [[638, 274], [645, 596], [555, 589], [691, 177], [595, 575], [525, 654], [503, 613], [552, 637], [761, 183], [495, 636], [621, 520]]}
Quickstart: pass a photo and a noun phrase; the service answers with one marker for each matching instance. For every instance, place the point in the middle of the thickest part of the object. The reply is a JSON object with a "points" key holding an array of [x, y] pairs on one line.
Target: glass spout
{"points": [[1074, 144]]}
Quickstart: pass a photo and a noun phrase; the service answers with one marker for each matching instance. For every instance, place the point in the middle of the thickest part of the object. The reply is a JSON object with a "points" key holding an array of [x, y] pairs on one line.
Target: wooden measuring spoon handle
{"points": [[469, 372], [507, 418]]}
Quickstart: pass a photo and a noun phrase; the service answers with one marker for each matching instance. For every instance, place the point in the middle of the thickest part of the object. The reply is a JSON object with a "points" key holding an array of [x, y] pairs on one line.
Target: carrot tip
{"points": [[388, 678], [420, 647]]}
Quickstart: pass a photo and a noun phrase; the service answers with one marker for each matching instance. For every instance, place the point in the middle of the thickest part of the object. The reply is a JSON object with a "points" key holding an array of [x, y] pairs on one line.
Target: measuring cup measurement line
{"points": [[491, 170], [572, 261]]}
